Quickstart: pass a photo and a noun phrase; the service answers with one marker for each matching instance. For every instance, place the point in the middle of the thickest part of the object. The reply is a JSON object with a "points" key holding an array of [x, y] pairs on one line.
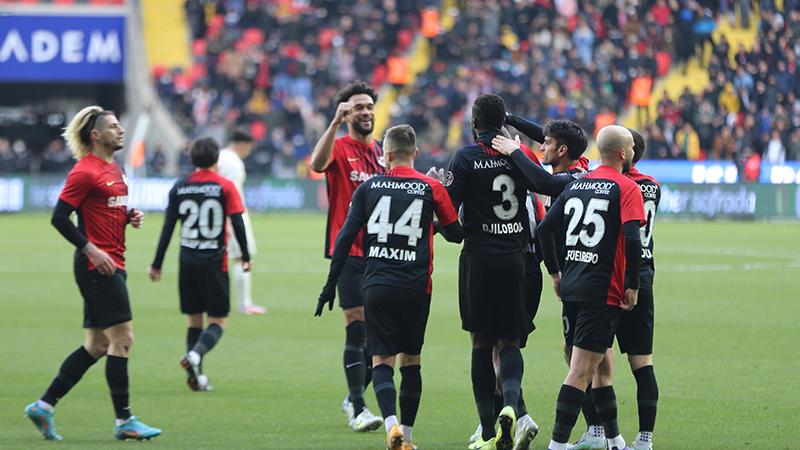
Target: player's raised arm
{"points": [[321, 157], [170, 218], [533, 130], [537, 179], [356, 218]]}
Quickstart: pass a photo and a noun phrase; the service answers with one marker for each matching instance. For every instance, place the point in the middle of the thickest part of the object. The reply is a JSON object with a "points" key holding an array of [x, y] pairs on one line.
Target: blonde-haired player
{"points": [[97, 190], [231, 166]]}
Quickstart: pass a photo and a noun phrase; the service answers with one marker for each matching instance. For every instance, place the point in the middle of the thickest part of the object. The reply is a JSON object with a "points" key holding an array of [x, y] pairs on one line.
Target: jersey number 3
{"points": [[406, 225], [574, 207], [205, 219]]}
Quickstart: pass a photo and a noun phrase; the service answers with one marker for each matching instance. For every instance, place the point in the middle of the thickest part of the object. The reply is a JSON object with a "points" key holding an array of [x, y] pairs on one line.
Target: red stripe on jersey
{"points": [[616, 288]]}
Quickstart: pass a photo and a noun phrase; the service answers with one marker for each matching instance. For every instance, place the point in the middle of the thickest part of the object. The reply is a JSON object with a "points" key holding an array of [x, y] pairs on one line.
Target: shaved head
{"points": [[615, 144]]}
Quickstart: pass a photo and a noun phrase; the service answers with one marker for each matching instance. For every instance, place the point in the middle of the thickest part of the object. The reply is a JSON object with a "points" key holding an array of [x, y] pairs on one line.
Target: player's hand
{"points": [[436, 174], [247, 265], [630, 299], [136, 218], [556, 277], [154, 274], [100, 259], [342, 111], [505, 145], [326, 296]]}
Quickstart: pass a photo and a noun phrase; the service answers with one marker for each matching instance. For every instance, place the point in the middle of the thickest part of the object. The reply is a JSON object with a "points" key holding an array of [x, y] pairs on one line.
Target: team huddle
{"points": [[592, 229]]}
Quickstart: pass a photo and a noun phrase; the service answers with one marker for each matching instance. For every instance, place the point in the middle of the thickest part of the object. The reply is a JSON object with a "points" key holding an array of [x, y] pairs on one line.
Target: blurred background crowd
{"points": [[273, 67]]}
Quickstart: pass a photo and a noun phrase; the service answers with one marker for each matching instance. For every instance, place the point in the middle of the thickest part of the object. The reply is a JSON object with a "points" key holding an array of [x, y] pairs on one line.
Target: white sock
{"points": [[645, 436], [406, 433], [389, 422], [243, 284], [616, 442], [556, 445], [597, 431], [45, 406], [119, 422], [194, 357]]}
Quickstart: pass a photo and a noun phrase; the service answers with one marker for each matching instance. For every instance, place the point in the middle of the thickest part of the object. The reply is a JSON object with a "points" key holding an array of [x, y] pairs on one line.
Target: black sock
{"points": [[498, 402], [483, 384], [192, 334], [70, 372], [589, 411], [368, 370], [410, 394], [117, 378], [208, 339], [605, 400], [647, 397], [568, 406], [522, 410], [354, 365], [385, 392], [511, 368]]}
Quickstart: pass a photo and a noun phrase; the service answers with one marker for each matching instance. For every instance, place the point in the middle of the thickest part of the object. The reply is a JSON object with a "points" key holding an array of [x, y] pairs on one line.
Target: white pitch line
{"points": [[677, 249]]}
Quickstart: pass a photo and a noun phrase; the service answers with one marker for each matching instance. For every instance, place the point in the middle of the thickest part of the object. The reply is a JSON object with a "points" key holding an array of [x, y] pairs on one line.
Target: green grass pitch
{"points": [[726, 348]]}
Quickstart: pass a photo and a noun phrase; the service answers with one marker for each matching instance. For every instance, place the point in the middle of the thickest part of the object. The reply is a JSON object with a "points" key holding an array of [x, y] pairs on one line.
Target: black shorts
{"points": [[635, 333], [491, 290], [589, 325], [350, 283], [105, 299], [396, 319], [533, 292], [204, 288]]}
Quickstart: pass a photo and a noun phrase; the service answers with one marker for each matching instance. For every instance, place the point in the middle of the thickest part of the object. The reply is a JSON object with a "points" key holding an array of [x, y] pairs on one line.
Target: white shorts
{"points": [[234, 252]]}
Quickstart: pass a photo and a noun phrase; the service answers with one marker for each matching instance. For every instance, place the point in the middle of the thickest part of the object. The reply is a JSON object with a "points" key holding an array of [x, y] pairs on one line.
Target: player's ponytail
{"points": [[77, 132]]}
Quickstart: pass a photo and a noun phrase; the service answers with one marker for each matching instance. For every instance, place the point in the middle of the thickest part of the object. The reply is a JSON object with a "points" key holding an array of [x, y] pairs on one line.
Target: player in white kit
{"points": [[231, 166]]}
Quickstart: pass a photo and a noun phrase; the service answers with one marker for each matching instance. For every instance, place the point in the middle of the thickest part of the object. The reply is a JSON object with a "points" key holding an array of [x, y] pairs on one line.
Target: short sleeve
{"points": [[443, 205], [77, 187], [631, 203], [233, 202]]}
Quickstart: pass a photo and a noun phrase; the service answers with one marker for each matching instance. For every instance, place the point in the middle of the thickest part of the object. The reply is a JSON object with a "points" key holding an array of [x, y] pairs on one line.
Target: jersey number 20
{"points": [[406, 225], [205, 219]]}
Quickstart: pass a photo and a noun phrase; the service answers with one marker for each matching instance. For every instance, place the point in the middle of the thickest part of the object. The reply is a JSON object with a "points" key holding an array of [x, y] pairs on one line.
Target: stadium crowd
{"points": [[274, 67], [750, 109]]}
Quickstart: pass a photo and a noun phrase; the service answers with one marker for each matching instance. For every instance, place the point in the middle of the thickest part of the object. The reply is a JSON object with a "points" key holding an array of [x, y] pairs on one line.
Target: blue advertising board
{"points": [[80, 49]]}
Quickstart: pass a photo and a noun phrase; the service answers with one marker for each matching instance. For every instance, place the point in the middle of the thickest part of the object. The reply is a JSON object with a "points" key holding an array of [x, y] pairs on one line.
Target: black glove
{"points": [[326, 296]]}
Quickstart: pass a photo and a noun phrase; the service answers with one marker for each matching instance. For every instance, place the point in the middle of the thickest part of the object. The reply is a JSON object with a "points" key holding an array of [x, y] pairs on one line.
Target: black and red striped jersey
{"points": [[493, 195], [651, 194], [395, 214], [590, 214]]}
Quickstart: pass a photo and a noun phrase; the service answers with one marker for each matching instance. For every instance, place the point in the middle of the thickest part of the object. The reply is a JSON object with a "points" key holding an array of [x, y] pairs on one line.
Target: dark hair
{"points": [[488, 111], [86, 131], [355, 88], [639, 146], [400, 139], [569, 133], [204, 152], [239, 135]]}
